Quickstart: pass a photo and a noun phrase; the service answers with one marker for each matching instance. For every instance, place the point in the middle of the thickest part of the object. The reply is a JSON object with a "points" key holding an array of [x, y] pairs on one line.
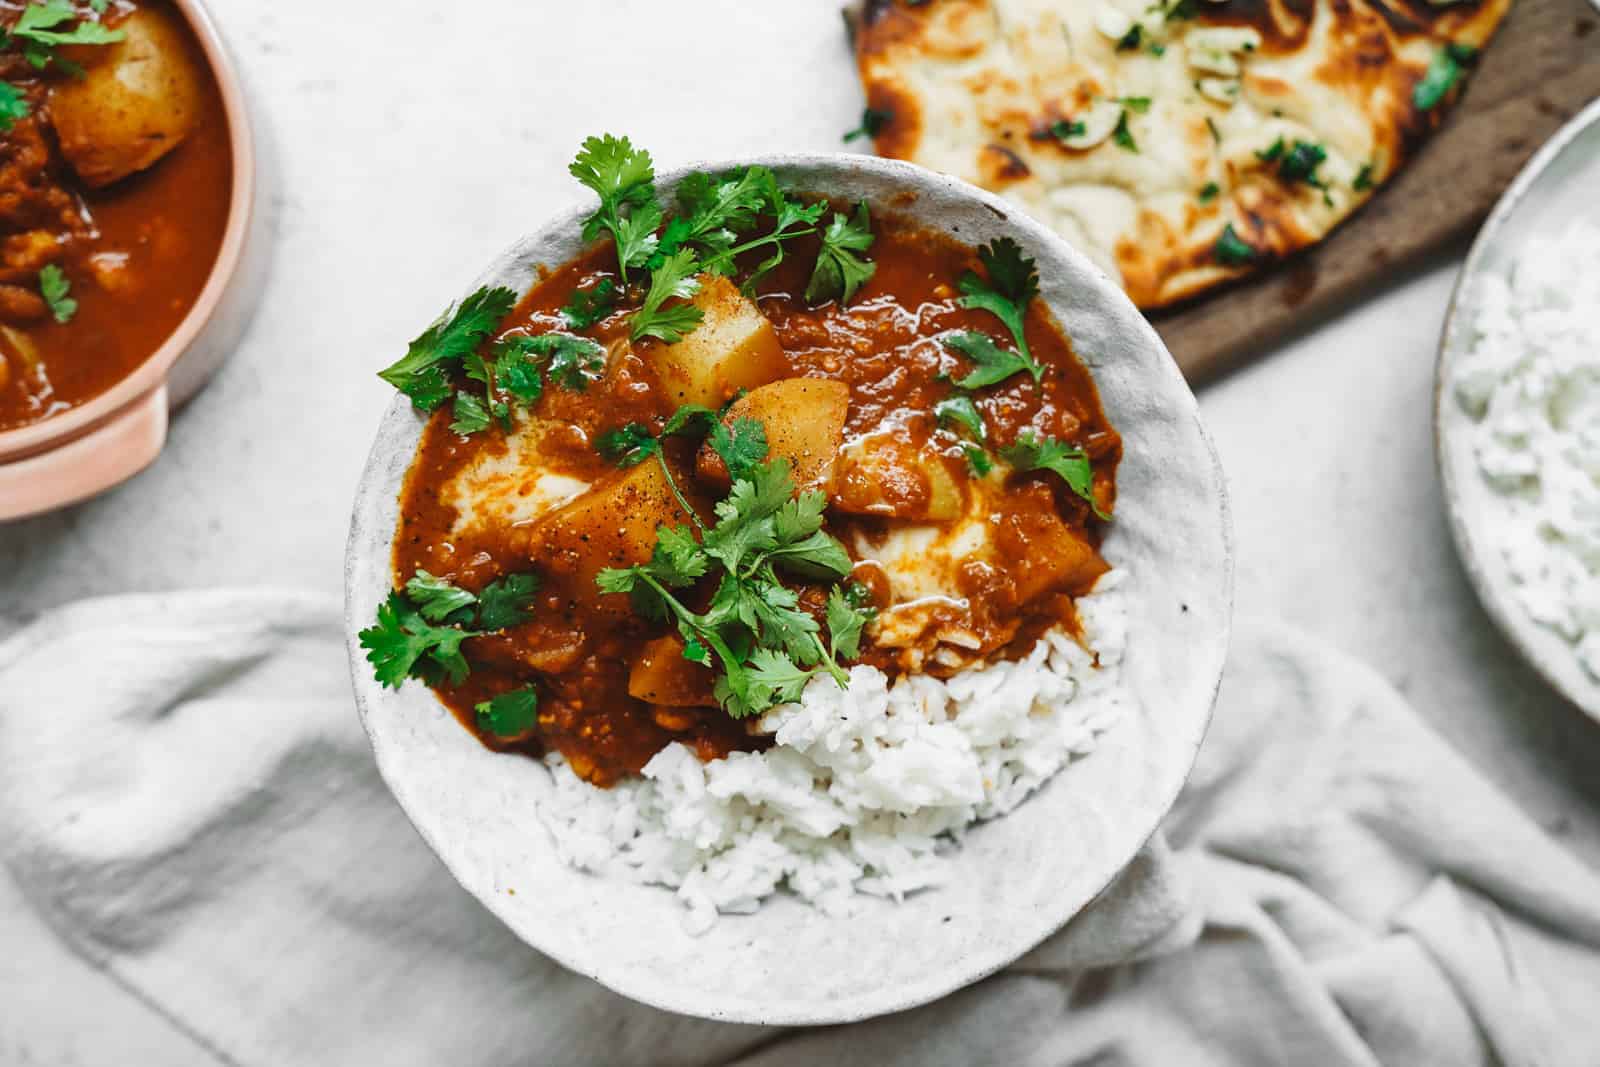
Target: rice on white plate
{"points": [[865, 788], [1530, 383]]}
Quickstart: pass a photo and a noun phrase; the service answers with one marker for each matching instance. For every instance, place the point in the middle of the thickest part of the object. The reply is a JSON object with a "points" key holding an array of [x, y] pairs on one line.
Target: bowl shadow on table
{"points": [[1549, 725]]}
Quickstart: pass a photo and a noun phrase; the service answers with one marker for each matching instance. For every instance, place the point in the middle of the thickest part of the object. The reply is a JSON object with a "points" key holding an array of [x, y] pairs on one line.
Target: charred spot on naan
{"points": [[900, 133]]}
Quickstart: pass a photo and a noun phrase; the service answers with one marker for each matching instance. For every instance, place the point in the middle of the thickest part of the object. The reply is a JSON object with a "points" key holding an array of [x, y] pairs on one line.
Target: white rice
{"points": [[1530, 383], [866, 787]]}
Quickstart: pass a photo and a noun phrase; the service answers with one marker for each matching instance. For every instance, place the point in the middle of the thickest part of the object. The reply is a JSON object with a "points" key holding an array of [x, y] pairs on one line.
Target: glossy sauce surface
{"points": [[579, 647], [136, 252]]}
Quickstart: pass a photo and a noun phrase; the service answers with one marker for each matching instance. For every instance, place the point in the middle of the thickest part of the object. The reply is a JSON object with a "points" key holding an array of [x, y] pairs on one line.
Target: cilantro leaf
{"points": [[517, 371], [628, 445], [742, 445], [674, 278], [436, 598], [1130, 41], [39, 28], [13, 106], [1061, 130], [1443, 72], [1122, 135], [873, 120], [779, 679], [53, 286], [1012, 285], [1363, 180], [509, 715], [995, 364], [624, 179], [846, 618], [421, 372], [1069, 462], [963, 412], [978, 460], [716, 210], [840, 272], [1231, 250], [470, 415], [1208, 192], [574, 361], [507, 601], [588, 306], [404, 644]]}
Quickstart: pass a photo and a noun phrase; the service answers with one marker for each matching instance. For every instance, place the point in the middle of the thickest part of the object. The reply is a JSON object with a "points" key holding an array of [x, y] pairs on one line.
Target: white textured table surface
{"points": [[413, 145]]}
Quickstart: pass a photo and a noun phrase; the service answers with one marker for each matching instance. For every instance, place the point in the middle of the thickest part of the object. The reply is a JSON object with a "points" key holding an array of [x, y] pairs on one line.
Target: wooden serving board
{"points": [[1540, 69]]}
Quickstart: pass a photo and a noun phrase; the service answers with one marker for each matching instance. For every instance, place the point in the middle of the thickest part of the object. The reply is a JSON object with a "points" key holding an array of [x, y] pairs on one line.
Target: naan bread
{"points": [[1141, 132]]}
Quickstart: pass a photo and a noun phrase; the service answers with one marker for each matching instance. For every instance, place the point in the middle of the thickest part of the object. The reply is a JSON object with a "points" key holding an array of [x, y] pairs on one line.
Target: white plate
{"points": [[1015, 880], [1556, 186]]}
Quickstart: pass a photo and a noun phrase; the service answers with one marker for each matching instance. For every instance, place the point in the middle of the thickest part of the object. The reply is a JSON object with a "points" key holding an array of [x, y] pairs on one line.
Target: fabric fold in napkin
{"points": [[188, 801]]}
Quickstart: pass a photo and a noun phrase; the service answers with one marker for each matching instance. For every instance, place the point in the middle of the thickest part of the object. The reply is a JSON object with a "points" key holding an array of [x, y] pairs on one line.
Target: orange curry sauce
{"points": [[579, 651]]}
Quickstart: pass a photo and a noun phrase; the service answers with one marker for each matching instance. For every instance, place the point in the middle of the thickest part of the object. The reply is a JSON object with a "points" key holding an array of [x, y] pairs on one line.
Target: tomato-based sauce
{"points": [[901, 478], [135, 248]]}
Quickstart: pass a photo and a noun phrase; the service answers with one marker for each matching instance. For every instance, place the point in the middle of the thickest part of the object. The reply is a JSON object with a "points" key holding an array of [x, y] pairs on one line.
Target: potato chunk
{"points": [[612, 525], [888, 474], [804, 420], [662, 676], [1047, 555], [733, 348], [136, 102]]}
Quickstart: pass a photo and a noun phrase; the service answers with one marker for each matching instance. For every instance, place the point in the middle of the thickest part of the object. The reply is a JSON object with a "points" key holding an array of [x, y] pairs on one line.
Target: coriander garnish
{"points": [[754, 633], [1069, 462], [420, 629], [39, 31], [1448, 64], [13, 106], [54, 287], [1233, 251], [1012, 284], [872, 123]]}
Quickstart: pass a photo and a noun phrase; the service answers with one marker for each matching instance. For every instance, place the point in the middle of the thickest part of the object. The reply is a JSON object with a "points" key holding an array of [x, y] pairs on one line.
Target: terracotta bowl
{"points": [[1015, 880], [104, 442]]}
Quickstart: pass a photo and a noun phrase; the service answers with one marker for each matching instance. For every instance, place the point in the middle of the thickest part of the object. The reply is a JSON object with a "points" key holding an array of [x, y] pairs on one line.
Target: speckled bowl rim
{"points": [[657, 977], [1549, 655], [41, 436]]}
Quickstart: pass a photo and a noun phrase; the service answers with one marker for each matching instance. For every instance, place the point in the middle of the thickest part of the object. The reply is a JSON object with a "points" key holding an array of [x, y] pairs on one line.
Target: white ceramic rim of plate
{"points": [[1180, 534], [1467, 499]]}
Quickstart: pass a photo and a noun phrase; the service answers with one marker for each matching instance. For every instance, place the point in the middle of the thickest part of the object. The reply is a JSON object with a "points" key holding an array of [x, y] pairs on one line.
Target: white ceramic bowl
{"points": [[1015, 880], [1555, 187]]}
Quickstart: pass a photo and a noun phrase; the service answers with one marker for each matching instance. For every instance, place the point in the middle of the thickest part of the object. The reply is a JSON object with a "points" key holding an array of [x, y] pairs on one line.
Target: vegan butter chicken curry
{"points": [[115, 181], [727, 451]]}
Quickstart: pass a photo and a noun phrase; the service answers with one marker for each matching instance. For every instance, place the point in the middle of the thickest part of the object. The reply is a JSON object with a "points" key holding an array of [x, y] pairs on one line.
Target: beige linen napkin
{"points": [[187, 800]]}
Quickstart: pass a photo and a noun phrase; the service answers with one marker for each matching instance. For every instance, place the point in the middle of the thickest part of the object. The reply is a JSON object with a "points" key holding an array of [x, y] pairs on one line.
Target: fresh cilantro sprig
{"points": [[962, 411], [994, 364], [420, 628], [765, 647], [588, 306], [41, 29], [792, 218], [54, 287], [674, 278], [423, 372], [511, 715], [13, 106], [1031, 452], [624, 179], [1012, 284], [840, 271]]}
